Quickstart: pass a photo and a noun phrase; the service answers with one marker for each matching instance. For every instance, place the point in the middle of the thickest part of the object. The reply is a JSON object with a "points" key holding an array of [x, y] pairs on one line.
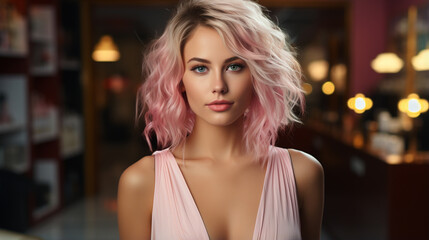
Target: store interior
{"points": [[68, 125]]}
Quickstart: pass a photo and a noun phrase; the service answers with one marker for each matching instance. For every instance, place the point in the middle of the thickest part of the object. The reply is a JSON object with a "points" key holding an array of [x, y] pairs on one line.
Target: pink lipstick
{"points": [[220, 105]]}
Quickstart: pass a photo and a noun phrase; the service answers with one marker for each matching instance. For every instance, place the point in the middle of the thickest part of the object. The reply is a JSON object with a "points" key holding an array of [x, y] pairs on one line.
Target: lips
{"points": [[220, 105]]}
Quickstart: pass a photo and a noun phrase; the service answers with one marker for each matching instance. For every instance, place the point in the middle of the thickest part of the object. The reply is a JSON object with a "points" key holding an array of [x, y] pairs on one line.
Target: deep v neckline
{"points": [[188, 191]]}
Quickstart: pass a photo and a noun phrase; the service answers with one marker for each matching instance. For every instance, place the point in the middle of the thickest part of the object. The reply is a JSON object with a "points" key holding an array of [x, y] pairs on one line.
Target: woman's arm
{"points": [[135, 200], [310, 185]]}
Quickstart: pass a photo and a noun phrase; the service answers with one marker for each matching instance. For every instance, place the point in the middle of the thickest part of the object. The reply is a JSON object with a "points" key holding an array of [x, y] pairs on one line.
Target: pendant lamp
{"points": [[106, 50], [387, 63]]}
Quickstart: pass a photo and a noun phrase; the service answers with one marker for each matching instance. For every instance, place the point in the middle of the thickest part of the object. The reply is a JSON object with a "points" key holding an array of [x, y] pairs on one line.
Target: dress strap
{"points": [[174, 214], [278, 214]]}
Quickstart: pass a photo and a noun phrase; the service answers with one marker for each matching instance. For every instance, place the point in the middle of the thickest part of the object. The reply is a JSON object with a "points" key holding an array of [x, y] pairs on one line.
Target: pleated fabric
{"points": [[175, 214], [278, 213]]}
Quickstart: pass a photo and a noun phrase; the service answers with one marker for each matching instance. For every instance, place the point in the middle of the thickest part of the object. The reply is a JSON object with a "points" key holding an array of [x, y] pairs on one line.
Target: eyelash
{"points": [[240, 66], [194, 69]]}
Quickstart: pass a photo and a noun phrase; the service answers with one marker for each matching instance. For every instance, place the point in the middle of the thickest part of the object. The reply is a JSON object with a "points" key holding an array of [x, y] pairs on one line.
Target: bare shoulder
{"points": [[309, 174], [309, 178], [135, 199], [304, 162], [137, 182], [139, 175]]}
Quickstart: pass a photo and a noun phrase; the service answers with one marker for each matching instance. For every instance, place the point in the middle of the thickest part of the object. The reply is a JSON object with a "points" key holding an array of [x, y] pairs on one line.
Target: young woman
{"points": [[219, 83]]}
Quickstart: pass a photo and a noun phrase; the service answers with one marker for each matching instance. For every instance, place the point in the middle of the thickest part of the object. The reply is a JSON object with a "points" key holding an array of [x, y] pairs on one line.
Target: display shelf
{"points": [[46, 127], [46, 180], [11, 128], [70, 70], [12, 54], [13, 29], [43, 40], [13, 65], [71, 136], [13, 103], [19, 146], [14, 154], [34, 137], [14, 157], [73, 178]]}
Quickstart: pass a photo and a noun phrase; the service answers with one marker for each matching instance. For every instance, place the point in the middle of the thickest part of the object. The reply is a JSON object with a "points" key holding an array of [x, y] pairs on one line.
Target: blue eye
{"points": [[199, 69], [235, 67]]}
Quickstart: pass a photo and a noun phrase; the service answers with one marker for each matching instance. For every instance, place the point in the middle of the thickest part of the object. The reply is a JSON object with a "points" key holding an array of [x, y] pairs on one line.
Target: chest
{"points": [[223, 203], [227, 198]]}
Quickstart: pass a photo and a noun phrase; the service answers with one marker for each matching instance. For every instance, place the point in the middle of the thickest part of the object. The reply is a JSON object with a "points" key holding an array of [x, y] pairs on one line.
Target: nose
{"points": [[219, 84]]}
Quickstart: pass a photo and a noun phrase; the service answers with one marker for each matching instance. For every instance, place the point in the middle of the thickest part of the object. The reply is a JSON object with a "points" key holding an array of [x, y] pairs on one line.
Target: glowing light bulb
{"points": [[359, 103], [413, 105], [328, 88]]}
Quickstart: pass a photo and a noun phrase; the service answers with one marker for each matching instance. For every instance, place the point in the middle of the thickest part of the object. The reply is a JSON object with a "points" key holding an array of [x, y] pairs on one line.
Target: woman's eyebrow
{"points": [[207, 61], [231, 59], [199, 60]]}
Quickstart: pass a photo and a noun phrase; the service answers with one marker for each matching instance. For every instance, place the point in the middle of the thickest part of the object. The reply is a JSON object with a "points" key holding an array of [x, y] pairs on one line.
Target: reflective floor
{"points": [[88, 219], [94, 218]]}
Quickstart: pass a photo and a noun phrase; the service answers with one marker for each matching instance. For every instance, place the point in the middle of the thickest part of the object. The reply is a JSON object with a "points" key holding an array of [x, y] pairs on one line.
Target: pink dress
{"points": [[175, 214]]}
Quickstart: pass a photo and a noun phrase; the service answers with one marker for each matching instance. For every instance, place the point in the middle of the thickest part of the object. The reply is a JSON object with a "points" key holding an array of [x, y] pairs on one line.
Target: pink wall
{"points": [[368, 38], [397, 7], [370, 20]]}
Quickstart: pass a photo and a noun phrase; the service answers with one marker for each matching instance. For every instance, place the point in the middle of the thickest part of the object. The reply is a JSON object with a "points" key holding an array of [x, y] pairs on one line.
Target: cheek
{"points": [[192, 93], [246, 90], [249, 96]]}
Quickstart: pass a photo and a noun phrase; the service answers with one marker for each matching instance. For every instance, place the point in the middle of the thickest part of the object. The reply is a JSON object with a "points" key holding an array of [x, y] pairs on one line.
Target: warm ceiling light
{"points": [[328, 88], [318, 69], [413, 105], [421, 61], [359, 103], [387, 63], [106, 50]]}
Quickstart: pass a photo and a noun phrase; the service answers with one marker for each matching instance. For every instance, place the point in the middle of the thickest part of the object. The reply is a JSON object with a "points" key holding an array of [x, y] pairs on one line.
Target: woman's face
{"points": [[217, 83]]}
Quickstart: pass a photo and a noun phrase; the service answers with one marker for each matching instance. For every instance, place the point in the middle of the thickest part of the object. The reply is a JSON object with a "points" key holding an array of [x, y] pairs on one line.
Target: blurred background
{"points": [[70, 70]]}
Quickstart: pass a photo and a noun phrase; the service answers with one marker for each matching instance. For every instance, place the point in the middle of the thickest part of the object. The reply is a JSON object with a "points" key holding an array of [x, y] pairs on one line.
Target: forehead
{"points": [[205, 42]]}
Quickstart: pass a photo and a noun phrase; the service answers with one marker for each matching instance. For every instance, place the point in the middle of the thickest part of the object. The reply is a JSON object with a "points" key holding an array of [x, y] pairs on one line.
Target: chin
{"points": [[223, 121]]}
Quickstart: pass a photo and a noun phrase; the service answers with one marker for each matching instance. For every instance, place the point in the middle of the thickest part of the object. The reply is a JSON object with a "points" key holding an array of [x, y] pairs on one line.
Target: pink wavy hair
{"points": [[250, 35]]}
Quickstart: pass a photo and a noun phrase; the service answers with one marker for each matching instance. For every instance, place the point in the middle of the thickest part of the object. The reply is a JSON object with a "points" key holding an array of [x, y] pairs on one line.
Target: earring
{"points": [[246, 112]]}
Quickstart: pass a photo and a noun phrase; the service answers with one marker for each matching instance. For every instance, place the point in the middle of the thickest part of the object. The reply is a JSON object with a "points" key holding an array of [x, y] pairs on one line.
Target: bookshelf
{"points": [[41, 124]]}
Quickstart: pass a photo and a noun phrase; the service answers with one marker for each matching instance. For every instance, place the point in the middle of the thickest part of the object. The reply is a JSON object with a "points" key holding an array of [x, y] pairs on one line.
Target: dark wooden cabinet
{"points": [[367, 195]]}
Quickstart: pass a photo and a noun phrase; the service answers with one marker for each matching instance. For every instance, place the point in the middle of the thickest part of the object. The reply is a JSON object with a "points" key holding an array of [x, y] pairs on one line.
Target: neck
{"points": [[217, 143]]}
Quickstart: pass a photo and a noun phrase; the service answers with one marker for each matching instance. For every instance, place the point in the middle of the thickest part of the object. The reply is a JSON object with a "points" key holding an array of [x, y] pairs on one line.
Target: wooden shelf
{"points": [[11, 128], [12, 54], [46, 128]]}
